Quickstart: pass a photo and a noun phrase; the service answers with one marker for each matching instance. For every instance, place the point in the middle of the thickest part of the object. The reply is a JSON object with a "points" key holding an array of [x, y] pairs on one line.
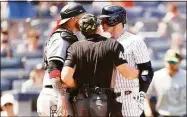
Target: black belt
{"points": [[128, 92], [101, 90], [48, 86]]}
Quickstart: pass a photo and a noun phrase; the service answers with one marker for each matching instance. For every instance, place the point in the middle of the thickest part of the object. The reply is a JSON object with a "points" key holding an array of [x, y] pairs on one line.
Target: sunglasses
{"points": [[173, 62]]}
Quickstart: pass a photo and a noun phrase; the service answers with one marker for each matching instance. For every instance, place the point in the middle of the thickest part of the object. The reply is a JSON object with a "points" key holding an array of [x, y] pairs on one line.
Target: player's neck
{"points": [[69, 27], [172, 73], [10, 113], [118, 31]]}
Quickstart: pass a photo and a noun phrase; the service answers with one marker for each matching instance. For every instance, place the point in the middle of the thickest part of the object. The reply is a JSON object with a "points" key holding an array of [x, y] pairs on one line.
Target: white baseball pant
{"points": [[131, 107], [46, 100]]}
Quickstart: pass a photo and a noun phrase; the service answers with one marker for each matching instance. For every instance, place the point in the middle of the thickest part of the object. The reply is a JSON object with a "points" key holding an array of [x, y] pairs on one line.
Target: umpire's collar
{"points": [[95, 38]]}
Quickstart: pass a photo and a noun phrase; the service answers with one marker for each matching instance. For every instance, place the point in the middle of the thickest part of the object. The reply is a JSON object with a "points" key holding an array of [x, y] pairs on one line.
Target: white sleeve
{"points": [[140, 50], [56, 48], [151, 90]]}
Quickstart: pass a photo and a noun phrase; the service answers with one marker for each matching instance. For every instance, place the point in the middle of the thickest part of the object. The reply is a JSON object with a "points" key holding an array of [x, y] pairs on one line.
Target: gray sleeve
{"points": [[151, 90], [56, 48]]}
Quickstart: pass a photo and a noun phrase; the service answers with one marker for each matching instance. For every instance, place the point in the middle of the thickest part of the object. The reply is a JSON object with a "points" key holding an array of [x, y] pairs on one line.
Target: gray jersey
{"points": [[170, 92], [55, 49]]}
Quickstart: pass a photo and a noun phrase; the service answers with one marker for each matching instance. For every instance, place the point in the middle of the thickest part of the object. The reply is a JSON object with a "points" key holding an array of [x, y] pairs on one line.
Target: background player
{"points": [[137, 55], [55, 54], [169, 88]]}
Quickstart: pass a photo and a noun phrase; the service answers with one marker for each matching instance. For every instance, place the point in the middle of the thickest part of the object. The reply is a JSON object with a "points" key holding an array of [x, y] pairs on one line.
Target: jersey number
{"points": [[121, 55]]}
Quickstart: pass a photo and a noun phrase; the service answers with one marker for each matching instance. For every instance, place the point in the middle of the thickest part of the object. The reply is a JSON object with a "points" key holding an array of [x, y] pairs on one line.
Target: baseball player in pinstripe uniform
{"points": [[136, 53], [55, 54]]}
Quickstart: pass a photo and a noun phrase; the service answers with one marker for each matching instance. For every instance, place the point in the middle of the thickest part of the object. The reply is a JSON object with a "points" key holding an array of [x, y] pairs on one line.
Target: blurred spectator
{"points": [[87, 5], [98, 5], [43, 10], [172, 22], [7, 105], [34, 84], [6, 50], [55, 25], [169, 86], [31, 44], [59, 4], [4, 25], [4, 10], [136, 28], [178, 42]]}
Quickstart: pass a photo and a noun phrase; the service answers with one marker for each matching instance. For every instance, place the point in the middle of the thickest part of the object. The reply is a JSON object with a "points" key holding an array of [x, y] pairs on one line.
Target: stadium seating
{"points": [[157, 64], [17, 84], [13, 74], [22, 10], [5, 85], [147, 4], [11, 63], [183, 64], [36, 54], [134, 12], [157, 13], [150, 25], [16, 42], [30, 64]]}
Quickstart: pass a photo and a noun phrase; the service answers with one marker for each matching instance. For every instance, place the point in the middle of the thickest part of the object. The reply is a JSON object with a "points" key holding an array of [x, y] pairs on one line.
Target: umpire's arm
{"points": [[68, 69], [143, 62], [121, 63]]}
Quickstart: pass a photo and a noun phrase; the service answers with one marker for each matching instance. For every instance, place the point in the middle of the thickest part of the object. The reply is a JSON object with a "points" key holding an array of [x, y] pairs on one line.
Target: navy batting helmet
{"points": [[113, 15]]}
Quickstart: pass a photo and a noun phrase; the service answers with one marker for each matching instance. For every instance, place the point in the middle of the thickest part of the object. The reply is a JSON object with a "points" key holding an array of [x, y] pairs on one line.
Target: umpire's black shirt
{"points": [[94, 60]]}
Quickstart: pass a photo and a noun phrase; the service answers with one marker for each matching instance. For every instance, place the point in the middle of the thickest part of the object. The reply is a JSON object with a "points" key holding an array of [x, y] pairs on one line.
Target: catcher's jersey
{"points": [[136, 52], [55, 49]]}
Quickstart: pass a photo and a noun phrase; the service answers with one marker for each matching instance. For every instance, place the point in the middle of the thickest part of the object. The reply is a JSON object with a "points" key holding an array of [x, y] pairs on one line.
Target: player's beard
{"points": [[77, 26]]}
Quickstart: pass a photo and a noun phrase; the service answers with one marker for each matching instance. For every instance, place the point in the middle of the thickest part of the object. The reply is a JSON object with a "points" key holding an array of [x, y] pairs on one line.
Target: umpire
{"points": [[88, 67], [55, 53]]}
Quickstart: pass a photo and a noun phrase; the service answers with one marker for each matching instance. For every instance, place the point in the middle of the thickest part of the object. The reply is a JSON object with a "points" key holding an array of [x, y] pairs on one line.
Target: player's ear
{"points": [[75, 19]]}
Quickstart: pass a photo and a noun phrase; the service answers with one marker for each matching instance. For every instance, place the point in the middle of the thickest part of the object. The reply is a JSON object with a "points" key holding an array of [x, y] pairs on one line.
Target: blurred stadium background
{"points": [[25, 26]]}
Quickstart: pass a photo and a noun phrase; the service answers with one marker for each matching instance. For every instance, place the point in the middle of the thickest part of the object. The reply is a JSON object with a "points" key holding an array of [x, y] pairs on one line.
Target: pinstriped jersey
{"points": [[136, 52]]}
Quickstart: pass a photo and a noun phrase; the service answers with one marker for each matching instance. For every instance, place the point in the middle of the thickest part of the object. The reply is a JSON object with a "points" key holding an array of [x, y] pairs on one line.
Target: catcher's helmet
{"points": [[113, 15], [71, 10]]}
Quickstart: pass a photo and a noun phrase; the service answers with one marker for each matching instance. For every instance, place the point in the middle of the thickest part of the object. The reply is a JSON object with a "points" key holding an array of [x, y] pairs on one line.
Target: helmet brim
{"points": [[63, 21], [103, 16]]}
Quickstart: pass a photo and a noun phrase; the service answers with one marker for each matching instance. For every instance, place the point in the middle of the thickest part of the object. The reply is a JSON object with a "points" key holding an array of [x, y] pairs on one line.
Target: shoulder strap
{"points": [[66, 35]]}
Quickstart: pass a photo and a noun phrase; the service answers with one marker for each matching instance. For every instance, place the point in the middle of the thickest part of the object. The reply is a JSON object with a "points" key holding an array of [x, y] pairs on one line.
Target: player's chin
{"points": [[77, 27]]}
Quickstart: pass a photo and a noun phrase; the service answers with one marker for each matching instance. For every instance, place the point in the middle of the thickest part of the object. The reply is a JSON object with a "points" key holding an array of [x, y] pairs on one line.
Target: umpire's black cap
{"points": [[71, 10]]}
